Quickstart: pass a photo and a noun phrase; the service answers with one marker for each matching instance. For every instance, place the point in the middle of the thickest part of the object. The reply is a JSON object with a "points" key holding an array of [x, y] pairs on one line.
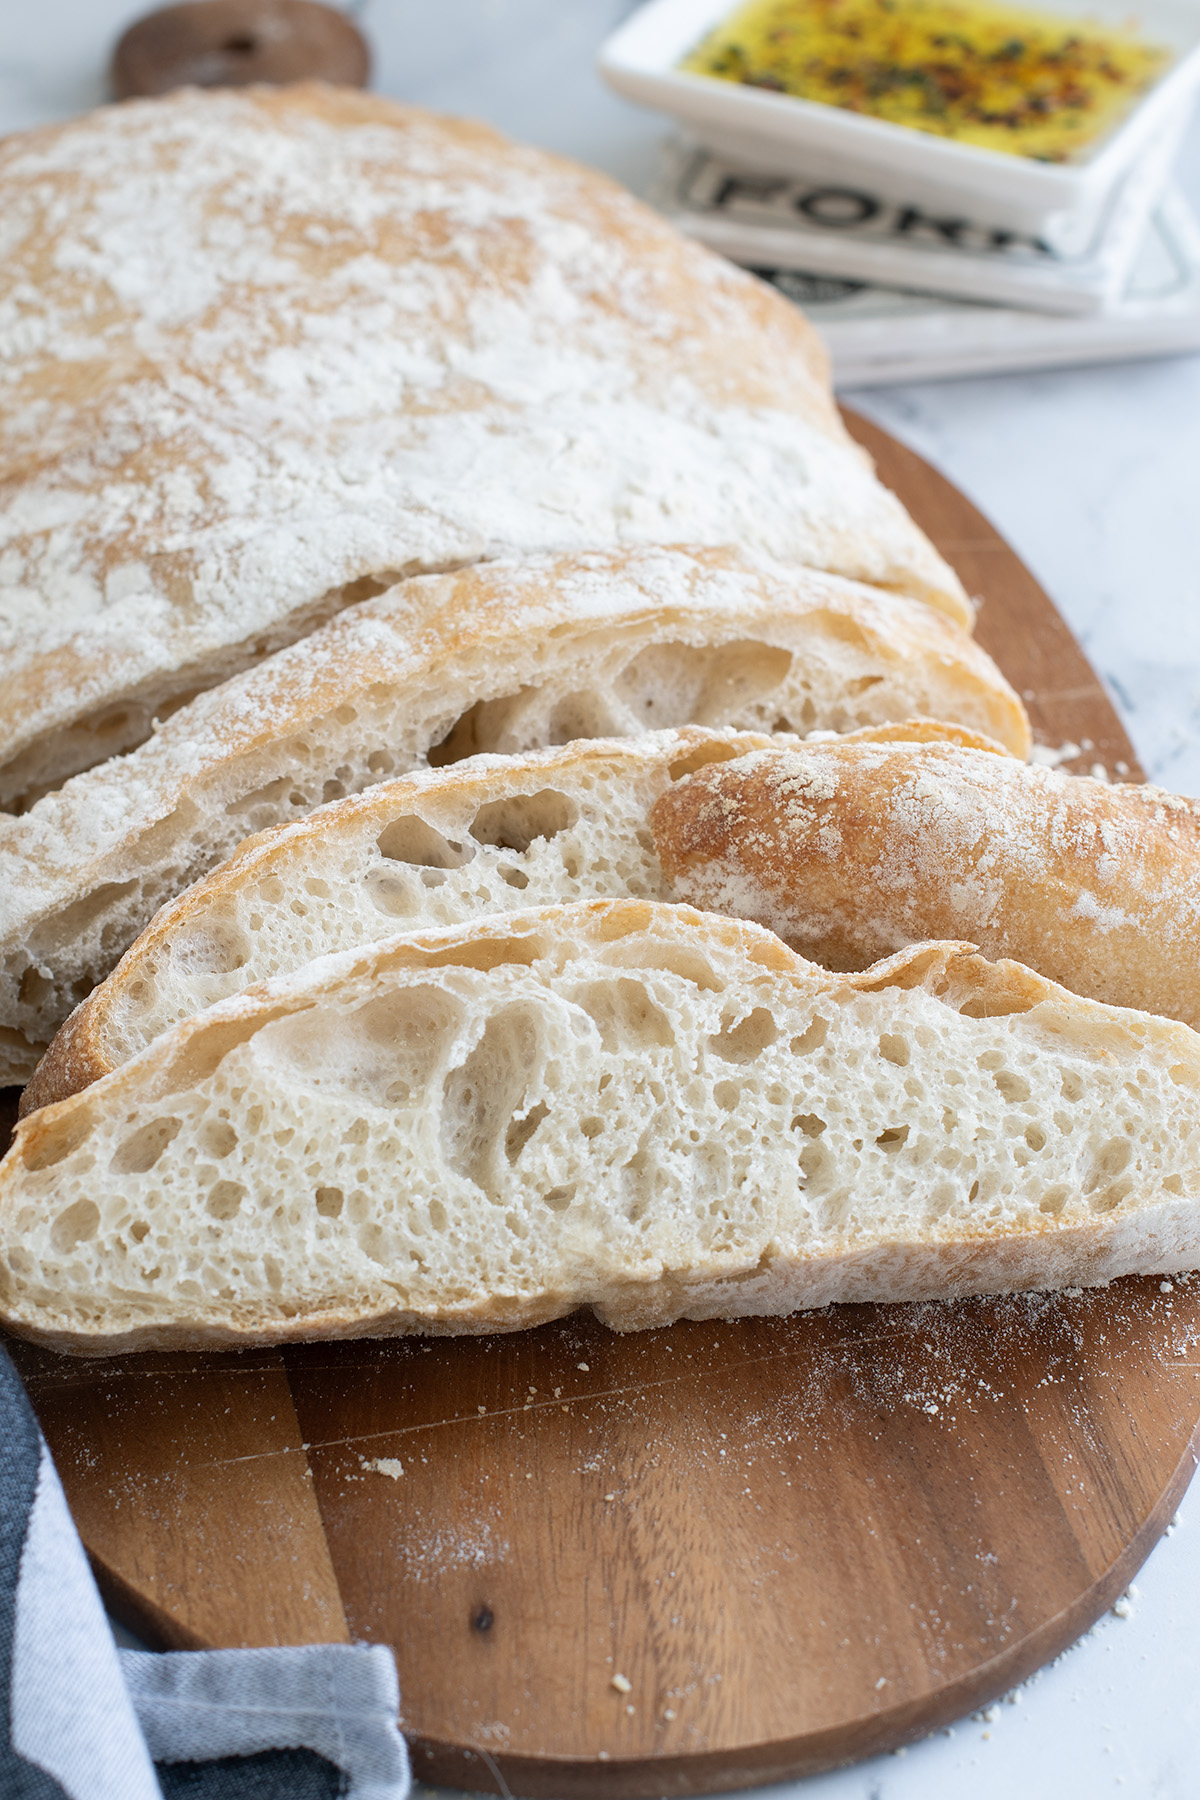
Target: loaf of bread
{"points": [[642, 1109], [851, 851], [439, 847], [501, 656], [280, 347]]}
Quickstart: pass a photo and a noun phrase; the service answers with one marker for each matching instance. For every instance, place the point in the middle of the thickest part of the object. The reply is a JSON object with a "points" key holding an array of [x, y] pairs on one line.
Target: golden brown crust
{"points": [[851, 852]]}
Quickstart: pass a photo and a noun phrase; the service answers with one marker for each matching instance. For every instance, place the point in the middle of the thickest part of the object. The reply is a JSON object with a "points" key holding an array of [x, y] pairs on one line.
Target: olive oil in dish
{"points": [[983, 72]]}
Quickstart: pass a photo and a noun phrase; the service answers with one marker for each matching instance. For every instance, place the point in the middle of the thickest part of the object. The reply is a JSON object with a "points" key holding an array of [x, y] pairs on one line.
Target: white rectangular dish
{"points": [[878, 336], [779, 133], [786, 222]]}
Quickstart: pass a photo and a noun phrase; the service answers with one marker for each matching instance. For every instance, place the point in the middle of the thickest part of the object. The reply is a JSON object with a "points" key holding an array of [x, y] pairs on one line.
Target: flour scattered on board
{"points": [[383, 1465]]}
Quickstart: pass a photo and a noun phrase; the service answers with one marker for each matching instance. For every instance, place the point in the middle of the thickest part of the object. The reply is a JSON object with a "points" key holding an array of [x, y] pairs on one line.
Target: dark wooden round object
{"points": [[797, 1541], [233, 43]]}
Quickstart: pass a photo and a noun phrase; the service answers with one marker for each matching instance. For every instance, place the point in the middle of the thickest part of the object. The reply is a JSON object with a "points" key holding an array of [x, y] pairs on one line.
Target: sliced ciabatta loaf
{"points": [[502, 656], [851, 851], [438, 847], [274, 349], [649, 1111]]}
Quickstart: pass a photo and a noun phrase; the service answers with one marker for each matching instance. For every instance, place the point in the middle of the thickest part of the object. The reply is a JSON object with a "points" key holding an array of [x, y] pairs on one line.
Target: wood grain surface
{"points": [[684, 1560]]}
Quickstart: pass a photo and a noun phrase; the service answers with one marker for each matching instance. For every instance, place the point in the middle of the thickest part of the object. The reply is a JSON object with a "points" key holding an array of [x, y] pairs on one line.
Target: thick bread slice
{"points": [[503, 656], [439, 847], [653, 1112], [279, 347], [851, 851]]}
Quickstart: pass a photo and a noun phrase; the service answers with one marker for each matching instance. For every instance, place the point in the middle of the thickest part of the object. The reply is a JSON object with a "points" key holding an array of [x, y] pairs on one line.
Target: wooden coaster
{"points": [[684, 1560]]}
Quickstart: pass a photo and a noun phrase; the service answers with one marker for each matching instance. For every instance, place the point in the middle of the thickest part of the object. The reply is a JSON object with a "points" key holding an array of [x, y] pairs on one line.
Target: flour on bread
{"points": [[853, 851], [267, 351]]}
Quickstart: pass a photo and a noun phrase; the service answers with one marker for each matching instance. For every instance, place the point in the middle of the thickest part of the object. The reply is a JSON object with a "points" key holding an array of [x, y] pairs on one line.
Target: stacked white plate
{"points": [[875, 227]]}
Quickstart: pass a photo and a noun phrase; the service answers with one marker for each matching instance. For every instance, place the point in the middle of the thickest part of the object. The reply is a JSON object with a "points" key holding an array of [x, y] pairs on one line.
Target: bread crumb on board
{"points": [[383, 1465]]}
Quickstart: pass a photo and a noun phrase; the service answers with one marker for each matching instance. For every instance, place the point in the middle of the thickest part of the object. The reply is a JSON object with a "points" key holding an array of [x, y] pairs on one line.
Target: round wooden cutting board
{"points": [[687, 1559]]}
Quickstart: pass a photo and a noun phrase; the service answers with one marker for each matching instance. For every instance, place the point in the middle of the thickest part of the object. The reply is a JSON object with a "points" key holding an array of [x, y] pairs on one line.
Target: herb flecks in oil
{"points": [[980, 71]]}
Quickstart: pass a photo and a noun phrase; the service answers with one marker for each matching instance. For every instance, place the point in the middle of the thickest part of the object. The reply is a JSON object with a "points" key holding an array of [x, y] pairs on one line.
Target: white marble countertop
{"points": [[1094, 477]]}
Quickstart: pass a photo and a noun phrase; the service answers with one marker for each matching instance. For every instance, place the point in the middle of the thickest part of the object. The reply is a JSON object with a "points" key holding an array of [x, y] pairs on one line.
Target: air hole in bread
{"points": [[996, 1003], [809, 1124], [1111, 1160], [818, 1167], [637, 1184], [35, 988], [330, 1201], [1053, 1200], [747, 1039], [75, 919], [893, 1139], [679, 684], [52, 1144], [216, 1137], [623, 921], [139, 1231], [895, 1049], [1035, 1137], [395, 895], [513, 878], [268, 796], [973, 1194], [467, 734], [75, 1225], [520, 820], [689, 965], [484, 1093], [702, 755], [625, 1014], [140, 1151], [225, 1200], [811, 1039], [559, 1199], [1072, 1085], [727, 1094], [522, 1128], [409, 839], [203, 1052], [1014, 1087]]}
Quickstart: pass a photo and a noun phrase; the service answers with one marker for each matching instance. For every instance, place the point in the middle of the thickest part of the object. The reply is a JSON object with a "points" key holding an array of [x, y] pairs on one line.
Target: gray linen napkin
{"points": [[82, 1721]]}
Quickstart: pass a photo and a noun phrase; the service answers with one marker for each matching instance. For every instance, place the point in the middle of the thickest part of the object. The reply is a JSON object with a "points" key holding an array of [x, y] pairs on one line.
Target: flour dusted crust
{"points": [[851, 851], [504, 656], [652, 1112], [263, 352], [438, 847]]}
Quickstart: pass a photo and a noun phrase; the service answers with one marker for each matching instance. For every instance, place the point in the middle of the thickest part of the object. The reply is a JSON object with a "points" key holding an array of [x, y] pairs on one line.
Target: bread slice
{"points": [[440, 847], [504, 657], [279, 347], [649, 1111], [851, 851]]}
